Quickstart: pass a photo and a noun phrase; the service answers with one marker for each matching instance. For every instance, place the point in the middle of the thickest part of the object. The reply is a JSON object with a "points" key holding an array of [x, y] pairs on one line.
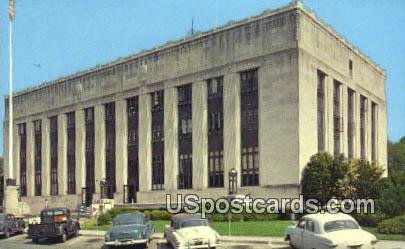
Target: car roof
{"points": [[184, 216], [326, 217]]}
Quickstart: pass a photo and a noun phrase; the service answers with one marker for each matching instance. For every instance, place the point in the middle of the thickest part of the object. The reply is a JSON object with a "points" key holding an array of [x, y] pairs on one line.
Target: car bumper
{"points": [[126, 242], [199, 246]]}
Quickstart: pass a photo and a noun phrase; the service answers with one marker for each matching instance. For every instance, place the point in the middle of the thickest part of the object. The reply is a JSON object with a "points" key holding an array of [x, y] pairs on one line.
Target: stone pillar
{"points": [[30, 159], [80, 155], [344, 115], [171, 138], [62, 154], [6, 160], [45, 154], [232, 142], [99, 146], [200, 135], [368, 129], [16, 153], [121, 150], [145, 146], [357, 142]]}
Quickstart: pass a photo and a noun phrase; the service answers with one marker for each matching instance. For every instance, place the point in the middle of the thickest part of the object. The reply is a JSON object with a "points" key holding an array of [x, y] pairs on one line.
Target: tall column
{"points": [[16, 153], [357, 142], [6, 160], [80, 156], [232, 141], [99, 145], [145, 146], [171, 138], [45, 157], [30, 159], [368, 128], [344, 115], [62, 154], [121, 150], [200, 135]]}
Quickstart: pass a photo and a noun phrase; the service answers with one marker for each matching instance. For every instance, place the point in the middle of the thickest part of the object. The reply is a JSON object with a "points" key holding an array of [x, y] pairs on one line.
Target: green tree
{"points": [[366, 176], [396, 157], [317, 178]]}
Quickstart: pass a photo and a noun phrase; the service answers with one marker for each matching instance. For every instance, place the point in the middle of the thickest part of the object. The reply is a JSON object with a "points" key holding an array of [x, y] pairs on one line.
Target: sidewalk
{"points": [[233, 239]]}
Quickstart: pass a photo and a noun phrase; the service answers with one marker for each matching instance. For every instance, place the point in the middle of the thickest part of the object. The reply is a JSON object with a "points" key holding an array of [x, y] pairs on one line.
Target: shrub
{"points": [[104, 219], [391, 200], [394, 225], [370, 220], [159, 215], [367, 174]]}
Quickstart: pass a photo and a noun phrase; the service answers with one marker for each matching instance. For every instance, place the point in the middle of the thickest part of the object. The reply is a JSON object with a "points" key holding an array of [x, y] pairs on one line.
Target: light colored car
{"points": [[329, 231], [190, 231], [129, 229]]}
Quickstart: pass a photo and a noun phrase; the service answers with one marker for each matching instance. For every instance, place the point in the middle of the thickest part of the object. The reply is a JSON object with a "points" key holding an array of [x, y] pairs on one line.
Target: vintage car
{"points": [[329, 231], [10, 225], [129, 229], [190, 231], [54, 223]]}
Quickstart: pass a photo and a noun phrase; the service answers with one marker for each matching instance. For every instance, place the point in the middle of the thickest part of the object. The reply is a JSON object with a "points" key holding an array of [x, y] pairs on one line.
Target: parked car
{"points": [[329, 231], [54, 223], [10, 225], [129, 229], [190, 231]]}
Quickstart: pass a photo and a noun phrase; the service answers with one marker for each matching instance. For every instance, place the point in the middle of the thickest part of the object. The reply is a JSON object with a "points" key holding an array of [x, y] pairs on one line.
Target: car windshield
{"points": [[340, 225], [132, 220], [193, 223]]}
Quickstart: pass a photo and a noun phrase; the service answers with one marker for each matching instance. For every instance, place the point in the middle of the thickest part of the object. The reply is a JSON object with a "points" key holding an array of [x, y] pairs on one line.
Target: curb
{"points": [[275, 241]]}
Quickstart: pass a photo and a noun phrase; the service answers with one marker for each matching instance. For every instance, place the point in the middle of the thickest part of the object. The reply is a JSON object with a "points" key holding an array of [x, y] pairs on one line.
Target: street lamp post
{"points": [[233, 188]]}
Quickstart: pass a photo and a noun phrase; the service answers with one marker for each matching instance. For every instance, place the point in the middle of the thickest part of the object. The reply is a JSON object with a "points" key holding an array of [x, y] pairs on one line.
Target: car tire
{"points": [[63, 238], [7, 234], [34, 240]]}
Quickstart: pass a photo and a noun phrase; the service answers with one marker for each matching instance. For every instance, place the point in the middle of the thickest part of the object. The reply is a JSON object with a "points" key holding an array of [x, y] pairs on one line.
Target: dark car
{"points": [[10, 225], [55, 223], [129, 229]]}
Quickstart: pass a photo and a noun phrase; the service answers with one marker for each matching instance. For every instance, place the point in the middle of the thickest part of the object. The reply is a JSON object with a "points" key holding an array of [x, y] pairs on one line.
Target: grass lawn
{"points": [[275, 228], [246, 228], [381, 236]]}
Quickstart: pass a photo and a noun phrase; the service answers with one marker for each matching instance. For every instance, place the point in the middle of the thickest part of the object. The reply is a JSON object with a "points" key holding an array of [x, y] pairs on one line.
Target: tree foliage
{"points": [[326, 177], [396, 157]]}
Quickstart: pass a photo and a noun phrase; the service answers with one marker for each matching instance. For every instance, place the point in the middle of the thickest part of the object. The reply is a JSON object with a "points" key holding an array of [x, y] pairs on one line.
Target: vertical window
{"points": [[158, 149], [22, 132], [53, 128], [337, 119], [133, 161], [110, 148], [249, 128], [363, 113], [71, 152], [321, 110], [351, 68], [215, 132], [350, 123], [90, 180], [185, 177], [38, 157], [374, 113]]}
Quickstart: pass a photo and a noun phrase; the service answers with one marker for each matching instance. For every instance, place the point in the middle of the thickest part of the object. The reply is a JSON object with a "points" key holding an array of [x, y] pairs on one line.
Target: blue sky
{"points": [[66, 36]]}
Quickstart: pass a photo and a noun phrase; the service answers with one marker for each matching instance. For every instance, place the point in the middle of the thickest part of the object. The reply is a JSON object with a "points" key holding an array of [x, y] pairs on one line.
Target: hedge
{"points": [[394, 225]]}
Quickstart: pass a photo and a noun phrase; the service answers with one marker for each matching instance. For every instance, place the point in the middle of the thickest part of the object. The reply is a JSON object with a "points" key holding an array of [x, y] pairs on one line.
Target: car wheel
{"points": [[34, 240], [63, 238], [7, 234]]}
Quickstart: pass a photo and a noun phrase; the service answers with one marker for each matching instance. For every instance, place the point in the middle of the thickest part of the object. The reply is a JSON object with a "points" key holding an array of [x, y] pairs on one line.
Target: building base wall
{"points": [[37, 203]]}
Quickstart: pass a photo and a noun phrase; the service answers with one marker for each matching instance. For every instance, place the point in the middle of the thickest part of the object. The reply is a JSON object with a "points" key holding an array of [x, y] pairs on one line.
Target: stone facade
{"points": [[287, 46]]}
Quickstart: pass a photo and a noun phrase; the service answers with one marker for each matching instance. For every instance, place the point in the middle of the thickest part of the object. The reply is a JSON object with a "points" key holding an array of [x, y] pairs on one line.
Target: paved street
{"points": [[93, 242]]}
